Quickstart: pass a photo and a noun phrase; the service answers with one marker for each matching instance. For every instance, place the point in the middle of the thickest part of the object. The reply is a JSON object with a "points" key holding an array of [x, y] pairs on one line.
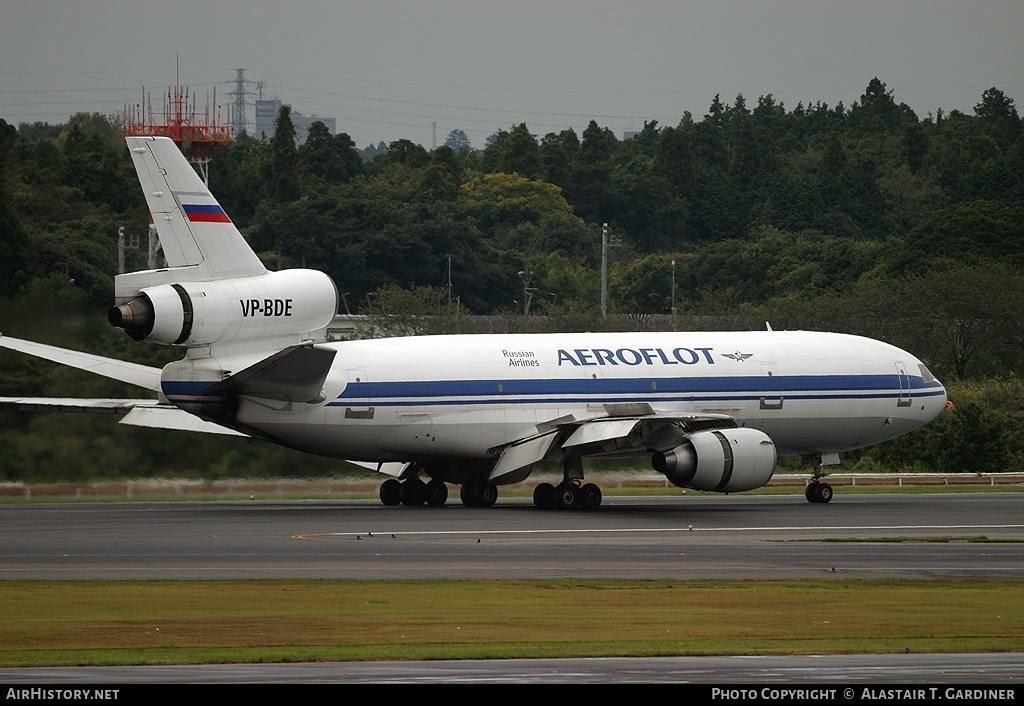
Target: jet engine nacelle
{"points": [[197, 313], [723, 460]]}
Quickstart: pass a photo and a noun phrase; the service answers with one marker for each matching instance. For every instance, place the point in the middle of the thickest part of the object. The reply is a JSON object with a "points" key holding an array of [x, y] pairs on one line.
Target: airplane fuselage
{"points": [[466, 396]]}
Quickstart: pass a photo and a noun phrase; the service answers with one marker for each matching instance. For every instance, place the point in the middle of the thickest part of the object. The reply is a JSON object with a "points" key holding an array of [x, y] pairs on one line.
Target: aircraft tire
{"points": [[486, 494], [567, 496], [544, 496], [437, 493], [391, 492], [414, 492], [824, 493], [590, 497], [817, 492]]}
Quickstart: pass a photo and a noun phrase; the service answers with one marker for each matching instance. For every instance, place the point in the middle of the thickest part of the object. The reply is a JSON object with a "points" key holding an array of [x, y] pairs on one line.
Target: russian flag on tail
{"points": [[205, 213]]}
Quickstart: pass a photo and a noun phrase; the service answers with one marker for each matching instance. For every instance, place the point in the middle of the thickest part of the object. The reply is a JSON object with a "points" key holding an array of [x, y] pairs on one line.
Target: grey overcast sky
{"points": [[388, 69]]}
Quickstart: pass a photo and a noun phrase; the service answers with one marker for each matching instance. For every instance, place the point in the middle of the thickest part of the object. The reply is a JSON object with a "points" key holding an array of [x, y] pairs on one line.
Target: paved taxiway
{"points": [[652, 537]]}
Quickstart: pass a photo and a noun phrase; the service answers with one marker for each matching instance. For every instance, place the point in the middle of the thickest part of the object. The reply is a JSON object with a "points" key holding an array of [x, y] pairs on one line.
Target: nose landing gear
{"points": [[817, 491]]}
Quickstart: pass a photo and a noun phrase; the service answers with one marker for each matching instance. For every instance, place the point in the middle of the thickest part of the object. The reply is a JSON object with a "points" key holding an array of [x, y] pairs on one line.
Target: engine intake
{"points": [[724, 460]]}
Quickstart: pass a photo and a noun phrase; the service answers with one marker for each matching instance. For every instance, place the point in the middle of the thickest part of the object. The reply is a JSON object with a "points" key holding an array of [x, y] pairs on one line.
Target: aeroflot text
{"points": [[635, 356]]}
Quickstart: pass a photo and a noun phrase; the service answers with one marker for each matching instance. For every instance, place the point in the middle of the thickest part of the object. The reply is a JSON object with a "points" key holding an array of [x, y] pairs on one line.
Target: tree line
{"points": [[867, 219]]}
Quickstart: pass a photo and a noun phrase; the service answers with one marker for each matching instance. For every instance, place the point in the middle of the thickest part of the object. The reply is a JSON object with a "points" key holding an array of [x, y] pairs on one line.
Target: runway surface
{"points": [[846, 674], [932, 536]]}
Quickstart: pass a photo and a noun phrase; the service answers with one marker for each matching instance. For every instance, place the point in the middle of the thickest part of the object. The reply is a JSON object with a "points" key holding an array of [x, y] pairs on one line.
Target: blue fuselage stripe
{"points": [[582, 391]]}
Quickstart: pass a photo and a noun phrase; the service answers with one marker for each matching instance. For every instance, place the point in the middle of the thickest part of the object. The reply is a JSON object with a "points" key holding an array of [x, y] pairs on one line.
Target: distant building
{"points": [[266, 114]]}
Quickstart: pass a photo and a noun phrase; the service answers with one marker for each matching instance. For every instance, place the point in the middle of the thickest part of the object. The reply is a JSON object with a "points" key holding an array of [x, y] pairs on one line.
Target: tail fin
{"points": [[195, 232]]}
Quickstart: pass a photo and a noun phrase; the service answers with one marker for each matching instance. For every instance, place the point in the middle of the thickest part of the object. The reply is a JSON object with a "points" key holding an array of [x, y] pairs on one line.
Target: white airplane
{"points": [[712, 410]]}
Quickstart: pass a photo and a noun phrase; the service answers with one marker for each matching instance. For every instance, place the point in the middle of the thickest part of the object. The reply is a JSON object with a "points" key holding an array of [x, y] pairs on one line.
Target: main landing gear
{"points": [[567, 495], [572, 493], [817, 491], [414, 491]]}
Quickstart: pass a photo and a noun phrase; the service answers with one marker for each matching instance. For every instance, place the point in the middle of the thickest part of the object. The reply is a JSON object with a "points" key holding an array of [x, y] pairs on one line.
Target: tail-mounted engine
{"points": [[724, 460], [197, 313]]}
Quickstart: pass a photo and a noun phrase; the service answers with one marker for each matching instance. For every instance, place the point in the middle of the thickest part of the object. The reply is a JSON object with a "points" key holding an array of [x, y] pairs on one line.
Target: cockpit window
{"points": [[926, 374]]}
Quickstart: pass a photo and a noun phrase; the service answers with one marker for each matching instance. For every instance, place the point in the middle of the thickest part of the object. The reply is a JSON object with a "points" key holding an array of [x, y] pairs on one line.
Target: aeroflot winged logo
{"points": [[737, 356]]}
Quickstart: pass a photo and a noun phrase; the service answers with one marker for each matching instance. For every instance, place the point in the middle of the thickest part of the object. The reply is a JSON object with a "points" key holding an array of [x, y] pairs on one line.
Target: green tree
{"points": [[999, 117], [284, 158], [591, 178], [458, 140], [330, 158], [14, 243]]}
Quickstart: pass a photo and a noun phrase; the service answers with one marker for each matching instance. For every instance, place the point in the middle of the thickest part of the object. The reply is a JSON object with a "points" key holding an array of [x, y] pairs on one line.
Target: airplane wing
{"points": [[73, 404], [627, 428], [163, 416], [138, 412]]}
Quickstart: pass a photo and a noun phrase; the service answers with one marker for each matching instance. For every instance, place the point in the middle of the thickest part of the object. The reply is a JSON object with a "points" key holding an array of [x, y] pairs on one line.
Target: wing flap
{"points": [[388, 468], [639, 432], [168, 417], [521, 454], [601, 430]]}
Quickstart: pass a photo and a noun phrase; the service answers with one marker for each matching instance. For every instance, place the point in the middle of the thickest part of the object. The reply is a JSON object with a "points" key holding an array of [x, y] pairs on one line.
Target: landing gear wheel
{"points": [[486, 494], [824, 493], [414, 492], [567, 496], [437, 493], [544, 496], [590, 497], [817, 492], [468, 495], [391, 492]]}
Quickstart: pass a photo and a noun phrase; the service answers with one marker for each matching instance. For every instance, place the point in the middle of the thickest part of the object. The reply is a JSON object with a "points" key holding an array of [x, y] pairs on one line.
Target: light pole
{"points": [[525, 276], [604, 270], [673, 294]]}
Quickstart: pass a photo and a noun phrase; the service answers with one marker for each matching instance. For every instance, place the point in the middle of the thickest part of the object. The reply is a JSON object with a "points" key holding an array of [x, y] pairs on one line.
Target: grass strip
{"points": [[60, 623]]}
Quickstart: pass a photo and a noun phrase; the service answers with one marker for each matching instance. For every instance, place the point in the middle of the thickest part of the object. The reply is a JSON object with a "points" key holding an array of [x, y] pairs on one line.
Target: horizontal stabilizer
{"points": [[131, 373], [295, 374]]}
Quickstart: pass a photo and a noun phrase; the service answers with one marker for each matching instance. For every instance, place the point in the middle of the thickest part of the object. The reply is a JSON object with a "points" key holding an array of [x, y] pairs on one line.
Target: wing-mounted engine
{"points": [[197, 313], [723, 460]]}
